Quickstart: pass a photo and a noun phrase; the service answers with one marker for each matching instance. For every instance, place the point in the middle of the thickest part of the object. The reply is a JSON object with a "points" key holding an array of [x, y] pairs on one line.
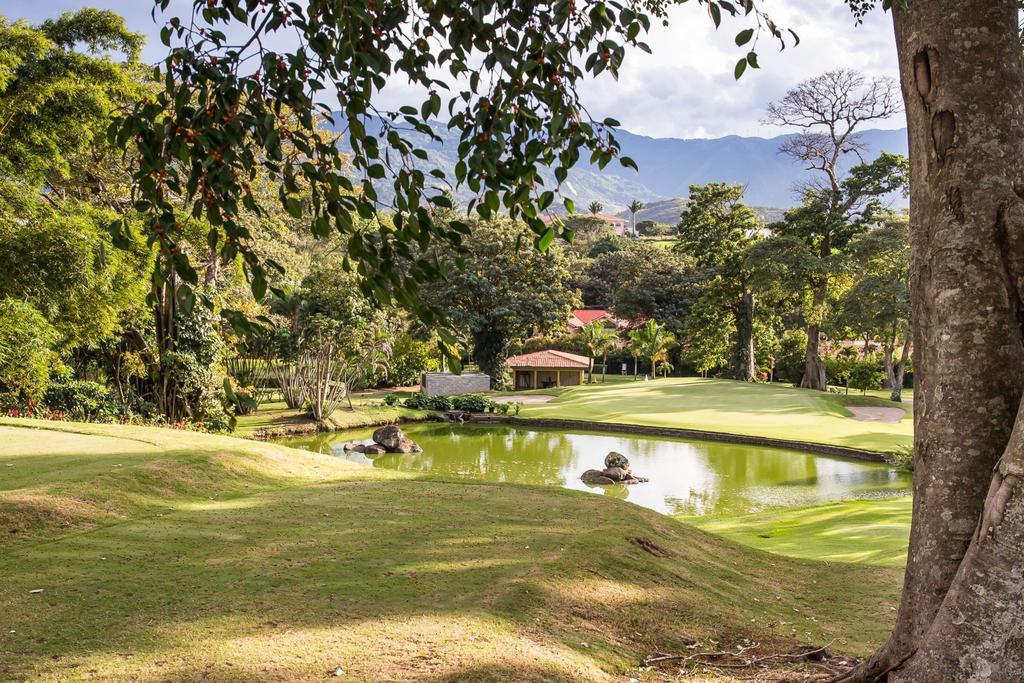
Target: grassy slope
{"points": [[718, 405], [171, 555], [863, 531]]}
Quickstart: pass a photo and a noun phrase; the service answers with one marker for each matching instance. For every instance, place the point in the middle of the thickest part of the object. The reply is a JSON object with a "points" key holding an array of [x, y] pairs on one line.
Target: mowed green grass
{"points": [[133, 553], [768, 410], [862, 531]]}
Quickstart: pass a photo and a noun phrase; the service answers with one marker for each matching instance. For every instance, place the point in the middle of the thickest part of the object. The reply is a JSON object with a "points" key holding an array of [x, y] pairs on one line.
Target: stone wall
{"points": [[447, 384]]}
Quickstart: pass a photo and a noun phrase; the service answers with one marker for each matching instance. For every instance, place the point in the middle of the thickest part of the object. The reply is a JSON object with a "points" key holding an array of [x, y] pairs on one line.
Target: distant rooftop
{"points": [[550, 359]]}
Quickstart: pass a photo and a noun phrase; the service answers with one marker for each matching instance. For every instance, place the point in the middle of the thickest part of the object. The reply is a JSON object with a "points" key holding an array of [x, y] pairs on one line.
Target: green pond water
{"points": [[686, 477]]}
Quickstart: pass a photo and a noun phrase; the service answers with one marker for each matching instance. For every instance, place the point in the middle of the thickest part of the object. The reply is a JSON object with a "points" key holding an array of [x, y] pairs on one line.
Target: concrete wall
{"points": [[447, 384]]}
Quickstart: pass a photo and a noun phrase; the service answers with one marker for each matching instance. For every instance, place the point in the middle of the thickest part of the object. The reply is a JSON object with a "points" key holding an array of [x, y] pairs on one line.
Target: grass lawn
{"points": [[863, 531], [133, 553], [771, 410]]}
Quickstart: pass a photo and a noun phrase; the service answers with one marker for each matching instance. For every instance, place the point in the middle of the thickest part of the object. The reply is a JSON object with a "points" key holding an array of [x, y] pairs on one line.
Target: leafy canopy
{"points": [[503, 73]]}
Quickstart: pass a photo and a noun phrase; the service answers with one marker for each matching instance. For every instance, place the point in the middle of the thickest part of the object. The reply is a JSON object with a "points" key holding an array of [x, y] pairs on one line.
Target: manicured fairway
{"points": [[775, 410], [863, 531], [149, 554]]}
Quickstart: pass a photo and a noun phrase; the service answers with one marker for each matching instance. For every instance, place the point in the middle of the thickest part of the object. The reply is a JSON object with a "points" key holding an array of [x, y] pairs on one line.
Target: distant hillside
{"points": [[667, 211], [668, 166]]}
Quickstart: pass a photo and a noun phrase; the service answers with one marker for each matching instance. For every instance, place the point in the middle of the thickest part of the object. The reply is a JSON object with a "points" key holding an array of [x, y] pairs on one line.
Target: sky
{"points": [[685, 88]]}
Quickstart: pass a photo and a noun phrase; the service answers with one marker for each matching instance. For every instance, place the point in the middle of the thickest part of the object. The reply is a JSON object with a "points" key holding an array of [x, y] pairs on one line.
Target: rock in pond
{"points": [[392, 440], [389, 436], [407, 445], [354, 447], [374, 449], [614, 459], [596, 477], [616, 471]]}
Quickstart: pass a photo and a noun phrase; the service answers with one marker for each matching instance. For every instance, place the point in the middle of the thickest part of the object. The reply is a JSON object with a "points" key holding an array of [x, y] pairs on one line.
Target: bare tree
{"points": [[829, 109]]}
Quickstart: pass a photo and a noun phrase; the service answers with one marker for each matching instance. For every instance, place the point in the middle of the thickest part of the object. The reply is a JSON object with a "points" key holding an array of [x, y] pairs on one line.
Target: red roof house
{"points": [[549, 368]]}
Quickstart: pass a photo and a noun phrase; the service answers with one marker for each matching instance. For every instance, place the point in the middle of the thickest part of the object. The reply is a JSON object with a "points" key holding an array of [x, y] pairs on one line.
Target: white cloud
{"points": [[686, 87]]}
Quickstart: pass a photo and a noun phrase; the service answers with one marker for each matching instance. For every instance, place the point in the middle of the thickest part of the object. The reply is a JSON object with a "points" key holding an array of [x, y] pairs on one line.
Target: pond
{"points": [[686, 477]]}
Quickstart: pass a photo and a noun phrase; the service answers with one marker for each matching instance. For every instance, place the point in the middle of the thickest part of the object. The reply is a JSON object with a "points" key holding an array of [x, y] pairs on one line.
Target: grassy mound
{"points": [[147, 554], [718, 405]]}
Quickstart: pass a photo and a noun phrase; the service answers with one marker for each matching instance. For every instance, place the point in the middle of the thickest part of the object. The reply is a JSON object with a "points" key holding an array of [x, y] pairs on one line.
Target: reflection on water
{"points": [[686, 477]]}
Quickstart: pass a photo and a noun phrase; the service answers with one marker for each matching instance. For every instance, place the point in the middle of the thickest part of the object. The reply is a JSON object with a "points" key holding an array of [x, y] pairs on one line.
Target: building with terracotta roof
{"points": [[619, 225], [584, 316], [546, 369]]}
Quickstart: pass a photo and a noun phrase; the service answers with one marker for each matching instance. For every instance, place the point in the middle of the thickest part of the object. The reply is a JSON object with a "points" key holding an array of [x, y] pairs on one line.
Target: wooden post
{"points": [[533, 385], [558, 378]]}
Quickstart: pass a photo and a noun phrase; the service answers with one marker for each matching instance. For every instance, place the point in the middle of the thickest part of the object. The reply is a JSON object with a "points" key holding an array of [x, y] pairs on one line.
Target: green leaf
{"points": [[741, 66], [545, 240], [744, 36]]}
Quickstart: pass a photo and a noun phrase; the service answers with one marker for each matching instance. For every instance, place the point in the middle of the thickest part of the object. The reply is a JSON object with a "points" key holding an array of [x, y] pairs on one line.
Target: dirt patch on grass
{"points": [[529, 398], [877, 414]]}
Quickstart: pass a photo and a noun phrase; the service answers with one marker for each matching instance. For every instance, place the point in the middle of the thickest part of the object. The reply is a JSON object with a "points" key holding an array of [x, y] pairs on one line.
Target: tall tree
{"points": [[877, 305], [503, 294], [811, 243], [828, 110], [963, 87], [651, 341], [717, 229], [595, 207], [599, 340], [635, 207]]}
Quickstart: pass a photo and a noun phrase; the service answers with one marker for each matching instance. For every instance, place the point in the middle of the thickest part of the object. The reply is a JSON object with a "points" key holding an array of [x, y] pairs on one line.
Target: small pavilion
{"points": [[547, 369]]}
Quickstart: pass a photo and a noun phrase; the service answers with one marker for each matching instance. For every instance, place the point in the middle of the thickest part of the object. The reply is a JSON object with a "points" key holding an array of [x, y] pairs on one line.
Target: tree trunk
{"points": [[814, 368], [899, 372], [963, 84], [744, 366], [890, 372]]}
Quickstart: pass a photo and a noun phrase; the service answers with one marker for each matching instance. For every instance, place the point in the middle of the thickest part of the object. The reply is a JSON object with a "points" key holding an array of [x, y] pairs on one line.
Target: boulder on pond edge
{"points": [[388, 436], [596, 477], [392, 440], [374, 449]]}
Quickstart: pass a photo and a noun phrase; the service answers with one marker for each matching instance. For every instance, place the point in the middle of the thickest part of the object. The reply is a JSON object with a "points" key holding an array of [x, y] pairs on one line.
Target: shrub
{"points": [[392, 399], [14, 406], [472, 403], [410, 359], [26, 358], [428, 402], [84, 401]]}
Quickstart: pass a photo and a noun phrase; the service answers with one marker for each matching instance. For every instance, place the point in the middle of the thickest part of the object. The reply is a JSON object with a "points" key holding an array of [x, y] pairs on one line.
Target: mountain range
{"points": [[668, 166]]}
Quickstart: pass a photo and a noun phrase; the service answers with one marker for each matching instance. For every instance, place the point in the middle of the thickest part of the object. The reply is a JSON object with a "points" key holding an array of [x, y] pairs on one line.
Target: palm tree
{"points": [[595, 207], [598, 340], [650, 342], [635, 207]]}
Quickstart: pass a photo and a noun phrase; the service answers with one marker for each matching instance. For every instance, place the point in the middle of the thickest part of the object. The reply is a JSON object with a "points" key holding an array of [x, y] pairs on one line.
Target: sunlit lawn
{"points": [[864, 531], [769, 410], [132, 553]]}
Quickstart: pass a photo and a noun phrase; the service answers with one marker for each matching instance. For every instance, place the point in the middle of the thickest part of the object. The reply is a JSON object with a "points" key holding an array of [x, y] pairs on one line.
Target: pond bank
{"points": [[281, 422], [679, 433]]}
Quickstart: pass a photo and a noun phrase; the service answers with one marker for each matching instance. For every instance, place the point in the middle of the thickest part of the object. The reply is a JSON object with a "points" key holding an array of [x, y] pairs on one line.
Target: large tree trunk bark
{"points": [[961, 614], [744, 365]]}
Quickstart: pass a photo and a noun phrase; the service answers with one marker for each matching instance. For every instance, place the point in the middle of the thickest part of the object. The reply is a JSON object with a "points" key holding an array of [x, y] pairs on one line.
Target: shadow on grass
{"points": [[380, 578]]}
